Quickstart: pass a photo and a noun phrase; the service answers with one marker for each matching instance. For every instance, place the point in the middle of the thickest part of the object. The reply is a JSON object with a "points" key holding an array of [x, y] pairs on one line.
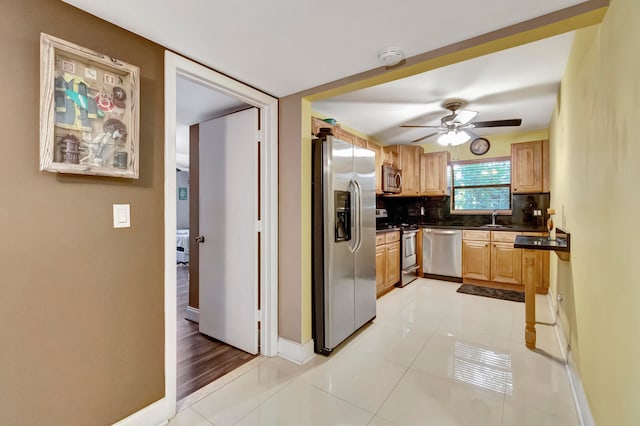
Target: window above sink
{"points": [[481, 186]]}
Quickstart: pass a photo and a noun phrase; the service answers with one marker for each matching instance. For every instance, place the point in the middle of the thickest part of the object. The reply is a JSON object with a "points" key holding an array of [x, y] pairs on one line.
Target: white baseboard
{"points": [[193, 314], [579, 396], [295, 352], [154, 414]]}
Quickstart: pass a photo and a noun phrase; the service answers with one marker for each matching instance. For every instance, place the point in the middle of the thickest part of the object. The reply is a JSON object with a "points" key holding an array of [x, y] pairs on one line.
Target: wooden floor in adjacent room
{"points": [[201, 359]]}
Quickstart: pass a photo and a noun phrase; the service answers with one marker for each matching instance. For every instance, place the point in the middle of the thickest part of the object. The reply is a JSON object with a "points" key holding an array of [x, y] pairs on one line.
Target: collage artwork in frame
{"points": [[89, 111]]}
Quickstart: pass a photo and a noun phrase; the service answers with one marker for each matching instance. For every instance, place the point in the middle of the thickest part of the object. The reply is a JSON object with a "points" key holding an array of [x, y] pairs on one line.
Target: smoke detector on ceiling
{"points": [[390, 56]]}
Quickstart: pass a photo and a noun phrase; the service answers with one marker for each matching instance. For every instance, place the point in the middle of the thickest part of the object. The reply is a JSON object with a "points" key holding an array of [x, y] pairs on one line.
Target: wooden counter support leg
{"points": [[528, 277], [530, 316]]}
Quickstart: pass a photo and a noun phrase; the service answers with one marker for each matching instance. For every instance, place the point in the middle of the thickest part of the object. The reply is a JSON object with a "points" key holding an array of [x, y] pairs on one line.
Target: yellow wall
{"points": [[294, 169], [500, 145], [595, 172]]}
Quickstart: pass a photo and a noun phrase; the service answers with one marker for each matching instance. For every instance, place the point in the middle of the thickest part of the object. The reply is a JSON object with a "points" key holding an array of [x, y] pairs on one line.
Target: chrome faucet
{"points": [[493, 216]]}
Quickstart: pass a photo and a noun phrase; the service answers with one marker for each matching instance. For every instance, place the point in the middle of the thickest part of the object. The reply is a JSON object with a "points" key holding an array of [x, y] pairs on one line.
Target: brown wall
{"points": [[81, 305], [289, 221]]}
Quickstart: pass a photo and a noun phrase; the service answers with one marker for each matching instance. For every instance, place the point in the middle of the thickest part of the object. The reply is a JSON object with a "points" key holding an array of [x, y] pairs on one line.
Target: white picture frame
{"points": [[89, 111]]}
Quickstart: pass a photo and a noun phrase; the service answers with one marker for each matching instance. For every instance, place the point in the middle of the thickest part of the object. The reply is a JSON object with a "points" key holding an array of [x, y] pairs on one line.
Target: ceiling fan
{"points": [[457, 127]]}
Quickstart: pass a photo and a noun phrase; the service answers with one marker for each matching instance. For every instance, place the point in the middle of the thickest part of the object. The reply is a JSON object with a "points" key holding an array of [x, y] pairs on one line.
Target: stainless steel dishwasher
{"points": [[442, 254]]}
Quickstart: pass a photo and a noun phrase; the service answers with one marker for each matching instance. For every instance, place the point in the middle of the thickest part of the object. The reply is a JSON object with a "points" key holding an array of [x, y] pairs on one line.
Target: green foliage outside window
{"points": [[481, 186]]}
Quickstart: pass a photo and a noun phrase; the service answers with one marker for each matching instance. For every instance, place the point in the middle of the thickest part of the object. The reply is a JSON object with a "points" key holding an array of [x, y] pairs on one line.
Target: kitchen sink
{"points": [[496, 226]]}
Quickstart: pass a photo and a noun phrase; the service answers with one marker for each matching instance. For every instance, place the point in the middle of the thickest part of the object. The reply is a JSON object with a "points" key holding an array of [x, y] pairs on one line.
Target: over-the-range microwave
{"points": [[391, 179]]}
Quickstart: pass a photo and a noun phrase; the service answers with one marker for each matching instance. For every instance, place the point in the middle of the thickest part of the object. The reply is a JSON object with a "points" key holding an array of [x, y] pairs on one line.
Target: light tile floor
{"points": [[431, 357]]}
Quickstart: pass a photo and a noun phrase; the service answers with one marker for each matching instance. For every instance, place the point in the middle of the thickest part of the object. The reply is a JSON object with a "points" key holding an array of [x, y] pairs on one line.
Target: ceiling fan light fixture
{"points": [[453, 138]]}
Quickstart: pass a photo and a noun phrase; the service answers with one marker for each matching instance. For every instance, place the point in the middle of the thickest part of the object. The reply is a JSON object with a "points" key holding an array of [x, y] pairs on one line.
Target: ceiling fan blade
{"points": [[426, 127], [425, 137], [463, 116], [497, 123]]}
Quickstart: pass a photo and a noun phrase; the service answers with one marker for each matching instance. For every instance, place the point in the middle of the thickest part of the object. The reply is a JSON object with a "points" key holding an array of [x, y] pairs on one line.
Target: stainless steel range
{"points": [[409, 259]]}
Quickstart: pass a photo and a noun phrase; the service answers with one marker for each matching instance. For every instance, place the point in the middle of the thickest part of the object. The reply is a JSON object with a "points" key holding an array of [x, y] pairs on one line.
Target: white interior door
{"points": [[228, 216]]}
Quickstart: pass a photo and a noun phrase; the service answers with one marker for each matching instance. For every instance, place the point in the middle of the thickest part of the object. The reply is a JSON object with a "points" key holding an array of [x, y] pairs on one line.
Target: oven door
{"points": [[409, 250], [409, 260]]}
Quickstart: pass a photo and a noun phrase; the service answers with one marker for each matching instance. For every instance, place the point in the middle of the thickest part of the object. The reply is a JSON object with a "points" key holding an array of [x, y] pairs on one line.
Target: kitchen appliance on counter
{"points": [[442, 254], [391, 179], [409, 259], [343, 248], [382, 219]]}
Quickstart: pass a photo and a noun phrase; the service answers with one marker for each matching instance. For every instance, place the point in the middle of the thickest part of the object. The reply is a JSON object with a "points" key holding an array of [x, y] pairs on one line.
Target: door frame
{"points": [[176, 65]]}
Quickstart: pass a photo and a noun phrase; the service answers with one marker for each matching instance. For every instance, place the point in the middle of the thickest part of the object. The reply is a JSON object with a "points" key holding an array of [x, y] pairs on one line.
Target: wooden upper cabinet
{"points": [[391, 155], [317, 124], [410, 165], [377, 149], [362, 143], [433, 173], [526, 167], [343, 135]]}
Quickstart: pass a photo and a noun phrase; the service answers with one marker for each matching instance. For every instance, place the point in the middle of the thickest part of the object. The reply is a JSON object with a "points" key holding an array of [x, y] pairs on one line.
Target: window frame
{"points": [[478, 212]]}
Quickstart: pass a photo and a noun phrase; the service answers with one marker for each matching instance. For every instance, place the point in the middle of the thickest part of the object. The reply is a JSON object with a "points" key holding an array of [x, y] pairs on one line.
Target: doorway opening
{"points": [[262, 309]]}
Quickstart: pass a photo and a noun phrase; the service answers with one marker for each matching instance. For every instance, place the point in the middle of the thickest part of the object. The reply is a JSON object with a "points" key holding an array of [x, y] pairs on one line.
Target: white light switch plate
{"points": [[121, 216]]}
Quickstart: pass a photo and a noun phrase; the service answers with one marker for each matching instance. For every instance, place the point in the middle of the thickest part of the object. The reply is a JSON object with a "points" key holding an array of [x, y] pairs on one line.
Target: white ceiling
{"points": [[286, 46], [521, 82]]}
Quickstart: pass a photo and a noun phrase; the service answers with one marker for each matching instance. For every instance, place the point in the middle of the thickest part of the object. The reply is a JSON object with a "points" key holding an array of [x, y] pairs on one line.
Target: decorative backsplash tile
{"points": [[437, 210]]}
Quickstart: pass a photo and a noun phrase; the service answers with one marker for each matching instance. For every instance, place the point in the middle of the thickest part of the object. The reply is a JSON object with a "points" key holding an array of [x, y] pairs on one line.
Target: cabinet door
{"points": [[317, 124], [381, 269], [392, 253], [343, 135], [379, 159], [506, 263], [362, 143], [476, 262], [410, 166], [532, 267], [391, 155], [539, 272], [433, 173], [526, 167]]}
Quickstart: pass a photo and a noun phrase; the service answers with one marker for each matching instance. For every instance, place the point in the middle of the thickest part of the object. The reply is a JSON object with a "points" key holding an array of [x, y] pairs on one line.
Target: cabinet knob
{"points": [[515, 189]]}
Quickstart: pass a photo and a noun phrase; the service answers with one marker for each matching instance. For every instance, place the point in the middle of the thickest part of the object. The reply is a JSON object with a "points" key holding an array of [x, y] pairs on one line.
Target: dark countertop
{"points": [[383, 230], [541, 243], [511, 228], [477, 227]]}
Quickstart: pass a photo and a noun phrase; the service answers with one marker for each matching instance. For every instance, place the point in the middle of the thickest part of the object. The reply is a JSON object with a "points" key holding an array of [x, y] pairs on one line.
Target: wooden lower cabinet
{"points": [[532, 266], [387, 261], [476, 263], [381, 268], [489, 258], [392, 253], [506, 263]]}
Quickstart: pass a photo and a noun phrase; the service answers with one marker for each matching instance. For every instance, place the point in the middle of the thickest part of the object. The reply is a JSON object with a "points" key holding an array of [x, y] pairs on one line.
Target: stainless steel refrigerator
{"points": [[343, 241]]}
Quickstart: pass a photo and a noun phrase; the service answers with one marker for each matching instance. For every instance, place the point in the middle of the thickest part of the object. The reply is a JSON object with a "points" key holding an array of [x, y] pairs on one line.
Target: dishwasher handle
{"points": [[442, 232]]}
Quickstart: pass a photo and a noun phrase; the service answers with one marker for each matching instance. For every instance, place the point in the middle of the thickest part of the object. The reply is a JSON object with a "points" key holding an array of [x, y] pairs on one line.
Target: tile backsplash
{"points": [[437, 210]]}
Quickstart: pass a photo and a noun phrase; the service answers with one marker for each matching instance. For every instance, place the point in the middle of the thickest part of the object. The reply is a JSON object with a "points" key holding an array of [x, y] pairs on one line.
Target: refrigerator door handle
{"points": [[354, 215], [358, 219]]}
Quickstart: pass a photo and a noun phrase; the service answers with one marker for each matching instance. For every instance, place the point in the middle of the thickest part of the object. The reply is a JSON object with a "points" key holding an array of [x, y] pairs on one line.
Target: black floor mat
{"points": [[514, 296]]}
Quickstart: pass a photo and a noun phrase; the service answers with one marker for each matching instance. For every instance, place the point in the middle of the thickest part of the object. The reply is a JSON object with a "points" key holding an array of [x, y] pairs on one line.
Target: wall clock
{"points": [[479, 146]]}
